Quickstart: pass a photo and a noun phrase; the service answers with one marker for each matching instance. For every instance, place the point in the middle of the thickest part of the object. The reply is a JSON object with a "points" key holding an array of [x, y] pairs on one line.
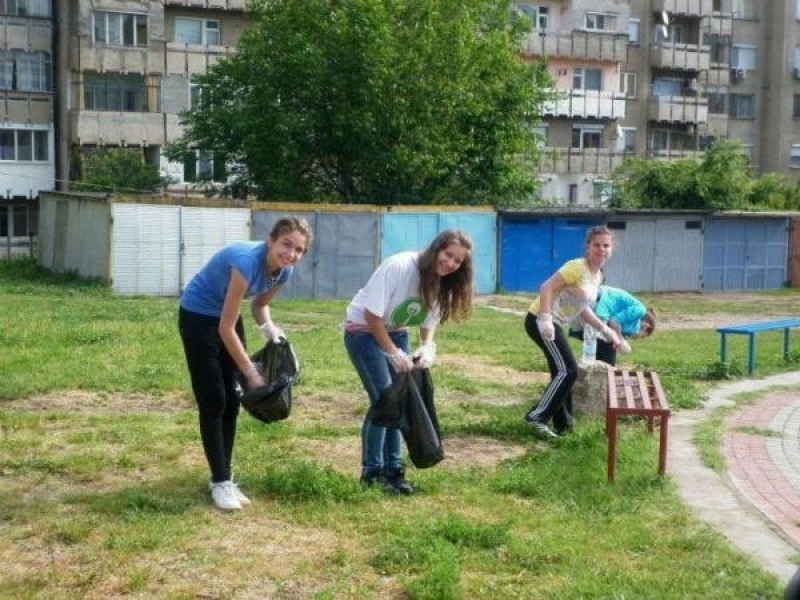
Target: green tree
{"points": [[117, 170], [375, 101], [719, 180]]}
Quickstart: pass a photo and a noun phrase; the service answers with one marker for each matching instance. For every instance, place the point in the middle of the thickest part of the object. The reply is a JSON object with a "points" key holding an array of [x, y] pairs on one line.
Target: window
{"points": [[743, 57], [25, 71], [539, 15], [742, 106], [705, 142], [23, 145], [28, 8], [796, 106], [667, 86], [794, 156], [541, 136], [586, 137], [719, 47], [633, 31], [204, 32], [676, 34], [797, 10], [203, 165], [587, 79], [744, 9], [114, 92], [717, 101], [626, 142], [627, 83], [599, 21], [120, 29]]}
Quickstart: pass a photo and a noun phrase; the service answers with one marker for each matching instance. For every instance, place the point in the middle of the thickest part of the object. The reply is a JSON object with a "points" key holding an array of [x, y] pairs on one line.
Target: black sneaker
{"points": [[397, 484]]}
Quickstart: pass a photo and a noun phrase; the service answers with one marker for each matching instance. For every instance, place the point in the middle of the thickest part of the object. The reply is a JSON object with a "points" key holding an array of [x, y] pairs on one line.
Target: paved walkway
{"points": [[756, 503]]}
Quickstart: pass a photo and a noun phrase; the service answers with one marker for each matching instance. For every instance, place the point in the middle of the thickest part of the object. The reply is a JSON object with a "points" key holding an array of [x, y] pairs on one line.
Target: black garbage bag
{"points": [[408, 405], [278, 365]]}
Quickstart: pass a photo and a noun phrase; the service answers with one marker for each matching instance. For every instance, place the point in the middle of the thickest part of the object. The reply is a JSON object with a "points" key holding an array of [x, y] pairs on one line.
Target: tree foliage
{"points": [[375, 101], [719, 180], [117, 170]]}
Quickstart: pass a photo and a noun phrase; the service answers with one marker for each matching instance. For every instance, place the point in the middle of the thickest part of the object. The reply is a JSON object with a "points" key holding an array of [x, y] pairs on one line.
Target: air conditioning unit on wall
{"points": [[738, 74]]}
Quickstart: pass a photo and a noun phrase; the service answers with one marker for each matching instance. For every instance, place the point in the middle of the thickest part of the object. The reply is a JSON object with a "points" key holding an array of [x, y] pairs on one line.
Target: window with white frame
{"points": [[23, 145], [627, 83], [717, 99], [587, 79], [594, 21], [539, 15], [203, 165], [203, 32], [796, 63], [667, 86], [744, 57], [25, 71], [633, 31], [666, 140], [742, 106], [120, 29], [541, 136], [586, 137], [744, 9], [195, 95], [27, 8], [629, 139], [794, 156]]}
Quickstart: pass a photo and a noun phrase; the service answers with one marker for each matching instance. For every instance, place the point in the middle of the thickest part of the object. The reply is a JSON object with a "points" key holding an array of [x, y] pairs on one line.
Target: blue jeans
{"points": [[380, 447]]}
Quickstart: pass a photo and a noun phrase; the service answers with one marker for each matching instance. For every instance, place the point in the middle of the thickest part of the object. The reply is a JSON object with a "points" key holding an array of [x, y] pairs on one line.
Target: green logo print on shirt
{"points": [[407, 313]]}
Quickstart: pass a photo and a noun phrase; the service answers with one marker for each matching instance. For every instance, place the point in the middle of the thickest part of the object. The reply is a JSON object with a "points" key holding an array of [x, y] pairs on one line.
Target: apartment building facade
{"points": [[692, 71]]}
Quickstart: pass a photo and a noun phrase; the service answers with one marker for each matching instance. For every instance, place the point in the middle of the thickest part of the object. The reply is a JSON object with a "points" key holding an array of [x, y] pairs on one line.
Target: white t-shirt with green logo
{"points": [[392, 292]]}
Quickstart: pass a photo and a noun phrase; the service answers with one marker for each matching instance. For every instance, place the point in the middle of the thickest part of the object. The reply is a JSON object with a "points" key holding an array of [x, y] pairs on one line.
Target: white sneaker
{"points": [[224, 495], [243, 500]]}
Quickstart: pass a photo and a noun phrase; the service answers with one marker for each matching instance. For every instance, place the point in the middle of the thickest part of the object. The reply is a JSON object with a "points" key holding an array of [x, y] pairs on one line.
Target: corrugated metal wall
{"points": [[745, 253], [658, 253]]}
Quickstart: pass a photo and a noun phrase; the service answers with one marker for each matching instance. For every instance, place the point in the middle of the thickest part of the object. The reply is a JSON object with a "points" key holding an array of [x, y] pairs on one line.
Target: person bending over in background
{"points": [[623, 313], [408, 289], [566, 295], [213, 337]]}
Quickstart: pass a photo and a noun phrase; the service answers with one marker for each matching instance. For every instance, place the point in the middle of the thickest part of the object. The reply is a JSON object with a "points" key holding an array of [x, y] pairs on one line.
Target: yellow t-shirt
{"points": [[580, 292]]}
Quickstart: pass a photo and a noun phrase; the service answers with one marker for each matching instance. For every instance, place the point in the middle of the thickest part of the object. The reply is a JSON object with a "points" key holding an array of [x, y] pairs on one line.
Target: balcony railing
{"points": [[654, 154], [587, 104], [593, 45], [116, 128], [601, 161], [692, 8], [102, 58], [678, 109], [193, 58], [720, 24], [237, 5], [26, 107], [686, 57]]}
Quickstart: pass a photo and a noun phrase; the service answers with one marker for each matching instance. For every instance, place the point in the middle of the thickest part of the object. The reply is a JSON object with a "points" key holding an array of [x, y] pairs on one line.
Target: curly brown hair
{"points": [[452, 294]]}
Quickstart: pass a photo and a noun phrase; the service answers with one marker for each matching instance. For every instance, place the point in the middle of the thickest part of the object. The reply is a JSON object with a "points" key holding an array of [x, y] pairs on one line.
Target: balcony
{"points": [[35, 35], [678, 109], [719, 75], [684, 57], [691, 8], [116, 59], [237, 5], [720, 24], [586, 104], [26, 107], [184, 59], [114, 128], [601, 161], [583, 45]]}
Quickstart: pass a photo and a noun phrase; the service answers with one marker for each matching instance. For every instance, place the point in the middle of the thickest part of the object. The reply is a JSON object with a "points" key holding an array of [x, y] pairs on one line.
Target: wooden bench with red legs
{"points": [[636, 393]]}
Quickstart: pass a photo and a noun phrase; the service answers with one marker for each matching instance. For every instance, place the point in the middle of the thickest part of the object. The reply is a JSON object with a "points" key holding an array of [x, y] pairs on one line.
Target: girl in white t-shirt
{"points": [[409, 289], [566, 296]]}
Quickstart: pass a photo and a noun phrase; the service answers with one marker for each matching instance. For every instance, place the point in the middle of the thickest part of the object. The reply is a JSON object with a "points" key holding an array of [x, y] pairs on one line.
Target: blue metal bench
{"points": [[750, 330]]}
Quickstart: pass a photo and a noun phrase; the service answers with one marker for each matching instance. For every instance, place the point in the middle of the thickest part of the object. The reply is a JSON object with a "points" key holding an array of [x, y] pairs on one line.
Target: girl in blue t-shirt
{"points": [[212, 332]]}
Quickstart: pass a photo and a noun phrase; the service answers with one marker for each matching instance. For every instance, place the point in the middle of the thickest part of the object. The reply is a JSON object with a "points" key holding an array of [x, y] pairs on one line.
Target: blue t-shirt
{"points": [[206, 291], [618, 305]]}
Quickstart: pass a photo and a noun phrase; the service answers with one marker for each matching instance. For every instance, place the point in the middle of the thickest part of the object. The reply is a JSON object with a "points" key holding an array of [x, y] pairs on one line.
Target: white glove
{"points": [[425, 355], [545, 324], [271, 332], [624, 347], [400, 361], [610, 335]]}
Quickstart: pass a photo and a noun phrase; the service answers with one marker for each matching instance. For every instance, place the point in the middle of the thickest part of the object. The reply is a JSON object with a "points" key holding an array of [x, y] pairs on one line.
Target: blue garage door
{"points": [[532, 249]]}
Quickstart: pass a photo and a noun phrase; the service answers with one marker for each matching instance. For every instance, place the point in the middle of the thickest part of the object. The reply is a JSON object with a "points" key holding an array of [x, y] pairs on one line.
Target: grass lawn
{"points": [[103, 480]]}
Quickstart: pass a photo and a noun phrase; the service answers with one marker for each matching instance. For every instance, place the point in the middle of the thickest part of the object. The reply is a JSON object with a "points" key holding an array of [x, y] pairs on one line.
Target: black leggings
{"points": [[556, 401], [212, 371], [605, 351]]}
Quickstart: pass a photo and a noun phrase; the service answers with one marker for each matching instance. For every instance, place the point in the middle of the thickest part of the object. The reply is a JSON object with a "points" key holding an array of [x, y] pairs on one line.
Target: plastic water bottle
{"points": [[589, 350]]}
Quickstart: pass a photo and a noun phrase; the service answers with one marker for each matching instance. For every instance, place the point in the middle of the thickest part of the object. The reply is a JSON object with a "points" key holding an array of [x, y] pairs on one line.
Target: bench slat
{"points": [[762, 326]]}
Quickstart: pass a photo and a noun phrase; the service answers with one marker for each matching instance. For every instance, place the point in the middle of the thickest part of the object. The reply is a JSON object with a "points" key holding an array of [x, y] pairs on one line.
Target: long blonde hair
{"points": [[451, 293]]}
